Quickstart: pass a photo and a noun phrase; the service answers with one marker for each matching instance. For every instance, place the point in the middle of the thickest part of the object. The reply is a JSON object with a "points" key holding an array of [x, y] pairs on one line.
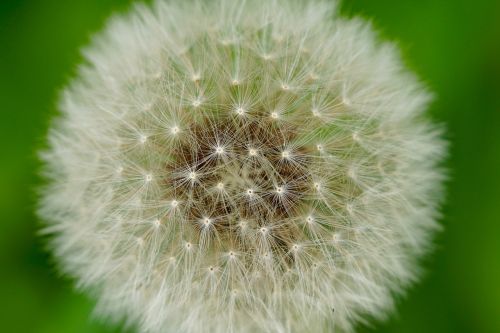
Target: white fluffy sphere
{"points": [[232, 166]]}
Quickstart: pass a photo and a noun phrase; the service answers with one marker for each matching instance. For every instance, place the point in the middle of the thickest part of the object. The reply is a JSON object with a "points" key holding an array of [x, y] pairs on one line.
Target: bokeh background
{"points": [[453, 45]]}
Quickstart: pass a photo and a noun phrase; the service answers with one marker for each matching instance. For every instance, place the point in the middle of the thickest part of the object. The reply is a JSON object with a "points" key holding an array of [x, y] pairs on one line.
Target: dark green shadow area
{"points": [[454, 46]]}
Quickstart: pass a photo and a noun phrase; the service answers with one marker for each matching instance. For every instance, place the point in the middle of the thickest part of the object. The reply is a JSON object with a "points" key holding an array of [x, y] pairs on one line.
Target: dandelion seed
{"points": [[286, 154], [267, 57], [196, 103], [317, 186], [206, 221], [336, 238], [242, 224], [252, 152], [240, 111], [219, 150], [196, 77], [175, 130]]}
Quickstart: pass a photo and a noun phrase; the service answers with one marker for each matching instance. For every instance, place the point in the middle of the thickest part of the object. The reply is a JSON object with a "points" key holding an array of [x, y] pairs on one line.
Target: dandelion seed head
{"points": [[242, 166]]}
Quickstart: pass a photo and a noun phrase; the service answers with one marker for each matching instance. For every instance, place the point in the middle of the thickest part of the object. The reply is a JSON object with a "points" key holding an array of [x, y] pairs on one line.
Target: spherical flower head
{"points": [[230, 166]]}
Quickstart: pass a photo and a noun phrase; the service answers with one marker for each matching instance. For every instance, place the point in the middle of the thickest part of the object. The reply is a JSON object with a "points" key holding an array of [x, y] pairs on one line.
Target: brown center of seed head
{"points": [[232, 175]]}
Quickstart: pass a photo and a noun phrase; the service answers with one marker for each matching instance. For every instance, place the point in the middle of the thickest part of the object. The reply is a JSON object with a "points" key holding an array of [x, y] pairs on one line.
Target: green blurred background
{"points": [[453, 45]]}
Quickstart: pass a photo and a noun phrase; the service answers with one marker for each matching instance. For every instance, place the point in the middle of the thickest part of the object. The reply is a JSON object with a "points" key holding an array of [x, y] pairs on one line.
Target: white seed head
{"points": [[249, 220]]}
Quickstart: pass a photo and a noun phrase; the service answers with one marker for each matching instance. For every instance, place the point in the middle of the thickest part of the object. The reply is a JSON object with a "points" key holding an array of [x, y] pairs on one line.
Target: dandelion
{"points": [[231, 166]]}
